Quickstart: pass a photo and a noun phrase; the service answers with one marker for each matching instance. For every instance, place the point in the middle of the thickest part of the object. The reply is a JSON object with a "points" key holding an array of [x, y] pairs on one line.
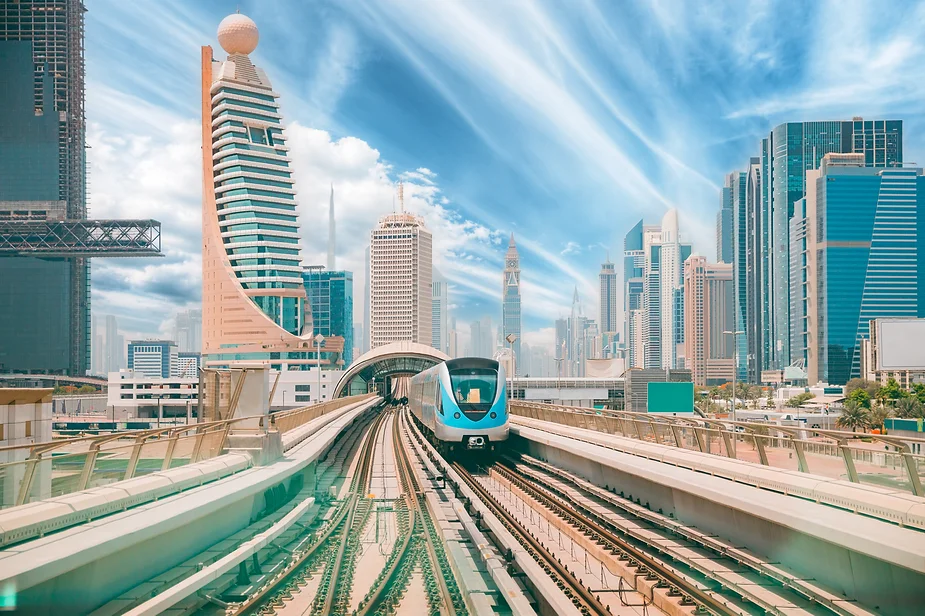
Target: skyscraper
{"points": [[858, 254], [653, 266], [634, 264], [755, 271], [44, 302], [253, 298], [187, 331], [708, 312], [510, 300], [331, 233], [330, 296], [788, 152], [737, 183], [115, 346], [725, 218], [609, 298], [400, 275], [440, 311]]}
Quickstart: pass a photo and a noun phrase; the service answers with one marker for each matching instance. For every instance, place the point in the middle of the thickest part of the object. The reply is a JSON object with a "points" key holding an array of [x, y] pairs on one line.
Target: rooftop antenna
{"points": [[401, 196]]}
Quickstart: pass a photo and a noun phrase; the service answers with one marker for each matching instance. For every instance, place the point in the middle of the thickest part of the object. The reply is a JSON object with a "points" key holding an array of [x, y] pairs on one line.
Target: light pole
{"points": [[318, 340], [511, 338], [735, 365], [559, 361]]}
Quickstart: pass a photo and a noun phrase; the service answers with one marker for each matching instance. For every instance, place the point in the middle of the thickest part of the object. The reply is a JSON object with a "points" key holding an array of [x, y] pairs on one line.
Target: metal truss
{"points": [[80, 238]]}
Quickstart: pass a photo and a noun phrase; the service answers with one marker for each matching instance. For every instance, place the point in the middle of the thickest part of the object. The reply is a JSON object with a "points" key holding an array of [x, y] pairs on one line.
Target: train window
{"points": [[474, 387]]}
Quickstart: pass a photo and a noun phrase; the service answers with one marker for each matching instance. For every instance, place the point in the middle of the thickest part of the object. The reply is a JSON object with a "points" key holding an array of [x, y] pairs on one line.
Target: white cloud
{"points": [[571, 248]]}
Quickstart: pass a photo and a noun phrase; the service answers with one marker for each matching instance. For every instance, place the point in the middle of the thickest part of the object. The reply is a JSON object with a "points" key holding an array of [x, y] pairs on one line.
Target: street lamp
{"points": [[511, 338], [735, 365], [559, 361], [319, 339]]}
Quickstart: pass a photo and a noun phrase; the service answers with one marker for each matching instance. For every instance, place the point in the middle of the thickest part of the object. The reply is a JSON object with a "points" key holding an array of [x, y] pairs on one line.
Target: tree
{"points": [[752, 394], [860, 397], [86, 389], [891, 392], [853, 416], [870, 386], [910, 408], [918, 390], [799, 400], [878, 416]]}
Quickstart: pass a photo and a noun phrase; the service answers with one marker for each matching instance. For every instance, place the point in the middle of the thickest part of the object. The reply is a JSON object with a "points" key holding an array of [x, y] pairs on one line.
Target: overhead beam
{"points": [[80, 238]]}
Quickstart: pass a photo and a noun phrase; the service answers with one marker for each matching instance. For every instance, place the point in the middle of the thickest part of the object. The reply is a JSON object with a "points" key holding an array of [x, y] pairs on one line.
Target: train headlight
{"points": [[456, 415], [493, 415]]}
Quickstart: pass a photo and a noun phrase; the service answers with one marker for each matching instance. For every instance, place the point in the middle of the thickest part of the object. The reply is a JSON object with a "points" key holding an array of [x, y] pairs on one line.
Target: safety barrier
{"points": [[33, 472], [895, 466]]}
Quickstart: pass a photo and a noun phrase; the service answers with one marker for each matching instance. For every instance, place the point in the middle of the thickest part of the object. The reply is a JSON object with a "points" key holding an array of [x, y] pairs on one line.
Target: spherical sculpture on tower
{"points": [[238, 34]]}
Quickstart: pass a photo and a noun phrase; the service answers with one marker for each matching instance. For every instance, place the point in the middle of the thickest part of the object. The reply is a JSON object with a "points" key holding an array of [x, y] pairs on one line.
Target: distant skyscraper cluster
{"points": [[824, 236], [653, 267]]}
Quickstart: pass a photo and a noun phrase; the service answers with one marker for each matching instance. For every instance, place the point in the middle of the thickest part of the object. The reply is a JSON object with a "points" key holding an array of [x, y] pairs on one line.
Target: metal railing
{"points": [[832, 453], [36, 471]]}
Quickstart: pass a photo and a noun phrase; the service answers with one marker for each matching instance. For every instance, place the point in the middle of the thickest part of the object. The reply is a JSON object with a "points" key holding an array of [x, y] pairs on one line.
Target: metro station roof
{"points": [[397, 358]]}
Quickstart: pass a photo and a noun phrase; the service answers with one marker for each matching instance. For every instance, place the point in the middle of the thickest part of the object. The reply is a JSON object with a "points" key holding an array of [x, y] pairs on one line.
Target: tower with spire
{"points": [[609, 303], [331, 237], [510, 299]]}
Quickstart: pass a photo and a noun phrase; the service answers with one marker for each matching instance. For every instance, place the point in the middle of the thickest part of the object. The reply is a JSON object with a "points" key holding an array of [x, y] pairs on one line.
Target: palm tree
{"points": [[853, 416], [909, 408], [876, 417]]}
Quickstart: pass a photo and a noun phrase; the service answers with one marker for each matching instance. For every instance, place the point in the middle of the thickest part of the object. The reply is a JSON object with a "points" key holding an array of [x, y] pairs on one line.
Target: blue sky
{"points": [[563, 122]]}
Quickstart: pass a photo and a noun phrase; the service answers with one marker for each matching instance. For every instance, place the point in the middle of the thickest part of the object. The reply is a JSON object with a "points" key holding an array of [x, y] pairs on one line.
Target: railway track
{"points": [[328, 563], [718, 576], [290, 579]]}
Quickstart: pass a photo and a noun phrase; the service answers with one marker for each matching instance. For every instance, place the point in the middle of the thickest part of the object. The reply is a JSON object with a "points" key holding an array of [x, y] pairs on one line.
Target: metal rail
{"points": [[580, 596], [598, 532], [547, 474], [720, 437], [337, 521]]}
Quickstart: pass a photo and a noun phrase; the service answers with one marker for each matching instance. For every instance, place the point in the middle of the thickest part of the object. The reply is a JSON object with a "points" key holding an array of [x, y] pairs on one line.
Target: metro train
{"points": [[461, 404]]}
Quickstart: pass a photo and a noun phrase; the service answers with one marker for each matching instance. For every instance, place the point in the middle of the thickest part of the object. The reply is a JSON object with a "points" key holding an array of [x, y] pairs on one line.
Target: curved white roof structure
{"points": [[388, 360]]}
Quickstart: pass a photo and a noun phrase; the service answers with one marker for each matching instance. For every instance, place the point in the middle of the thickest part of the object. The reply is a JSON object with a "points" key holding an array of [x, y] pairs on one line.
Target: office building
{"points": [[453, 349], [366, 296], [708, 312], [253, 297], [737, 183], [756, 268], [45, 302], [187, 331], [330, 296], [634, 265], [510, 299], [153, 358], [725, 225], [188, 365], [47, 238], [789, 151], [440, 312], [132, 394], [609, 301], [858, 255], [482, 339], [654, 309], [400, 279]]}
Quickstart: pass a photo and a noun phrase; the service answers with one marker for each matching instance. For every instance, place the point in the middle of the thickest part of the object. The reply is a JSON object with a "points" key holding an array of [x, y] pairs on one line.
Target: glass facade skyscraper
{"points": [[44, 303], [330, 295], [788, 152], [737, 184], [858, 255]]}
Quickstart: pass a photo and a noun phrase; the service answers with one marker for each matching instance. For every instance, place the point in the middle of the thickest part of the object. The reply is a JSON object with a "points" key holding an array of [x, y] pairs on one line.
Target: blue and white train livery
{"points": [[462, 403]]}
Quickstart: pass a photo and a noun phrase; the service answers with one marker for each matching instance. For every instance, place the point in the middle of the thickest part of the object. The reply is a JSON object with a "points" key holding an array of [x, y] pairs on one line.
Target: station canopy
{"points": [[382, 363]]}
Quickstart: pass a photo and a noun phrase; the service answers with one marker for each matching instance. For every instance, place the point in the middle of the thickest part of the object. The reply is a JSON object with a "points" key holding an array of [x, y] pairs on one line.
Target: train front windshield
{"points": [[474, 388]]}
